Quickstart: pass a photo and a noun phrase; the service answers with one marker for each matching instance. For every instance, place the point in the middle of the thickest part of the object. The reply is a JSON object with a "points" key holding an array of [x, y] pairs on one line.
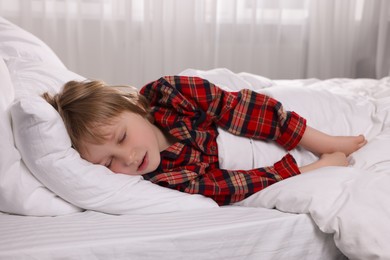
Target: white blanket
{"points": [[350, 202]]}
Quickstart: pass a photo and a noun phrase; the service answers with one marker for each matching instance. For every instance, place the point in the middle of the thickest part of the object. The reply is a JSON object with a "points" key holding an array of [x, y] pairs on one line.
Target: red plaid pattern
{"points": [[191, 109]]}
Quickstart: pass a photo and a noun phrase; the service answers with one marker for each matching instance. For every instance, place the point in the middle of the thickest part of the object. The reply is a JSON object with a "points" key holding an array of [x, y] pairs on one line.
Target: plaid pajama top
{"points": [[191, 109]]}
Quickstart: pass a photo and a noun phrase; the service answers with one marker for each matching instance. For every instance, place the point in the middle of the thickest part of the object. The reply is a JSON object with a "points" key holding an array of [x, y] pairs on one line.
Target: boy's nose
{"points": [[130, 159]]}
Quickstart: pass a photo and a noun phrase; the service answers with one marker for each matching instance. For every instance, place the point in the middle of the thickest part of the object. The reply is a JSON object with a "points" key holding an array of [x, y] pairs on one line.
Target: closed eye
{"points": [[123, 138]]}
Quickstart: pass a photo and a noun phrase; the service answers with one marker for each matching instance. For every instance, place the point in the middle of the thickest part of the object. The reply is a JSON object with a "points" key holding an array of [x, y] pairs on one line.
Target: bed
{"points": [[54, 205]]}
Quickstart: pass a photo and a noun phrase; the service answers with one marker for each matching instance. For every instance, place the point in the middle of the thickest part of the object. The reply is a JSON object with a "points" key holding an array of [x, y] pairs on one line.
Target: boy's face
{"points": [[132, 146]]}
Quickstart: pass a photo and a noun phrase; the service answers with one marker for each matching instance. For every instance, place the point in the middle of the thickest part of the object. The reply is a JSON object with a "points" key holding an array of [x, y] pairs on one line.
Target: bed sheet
{"points": [[225, 233]]}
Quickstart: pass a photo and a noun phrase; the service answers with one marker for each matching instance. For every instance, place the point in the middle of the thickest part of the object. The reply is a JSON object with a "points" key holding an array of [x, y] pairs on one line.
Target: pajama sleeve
{"points": [[244, 113], [224, 186]]}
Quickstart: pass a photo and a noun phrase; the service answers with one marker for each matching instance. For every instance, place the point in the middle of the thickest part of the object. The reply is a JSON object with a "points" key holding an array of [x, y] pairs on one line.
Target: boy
{"points": [[167, 133]]}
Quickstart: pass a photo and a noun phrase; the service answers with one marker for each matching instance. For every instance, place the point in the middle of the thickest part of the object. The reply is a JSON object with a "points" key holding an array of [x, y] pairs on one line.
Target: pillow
{"points": [[18, 43], [31, 77], [20, 192], [229, 80], [42, 140], [256, 81], [34, 68]]}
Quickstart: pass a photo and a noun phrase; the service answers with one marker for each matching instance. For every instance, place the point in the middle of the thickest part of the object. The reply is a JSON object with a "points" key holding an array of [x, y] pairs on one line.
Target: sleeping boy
{"points": [[167, 133]]}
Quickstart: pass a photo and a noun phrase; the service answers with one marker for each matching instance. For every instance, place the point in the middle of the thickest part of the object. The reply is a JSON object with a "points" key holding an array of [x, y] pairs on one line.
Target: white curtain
{"points": [[136, 41]]}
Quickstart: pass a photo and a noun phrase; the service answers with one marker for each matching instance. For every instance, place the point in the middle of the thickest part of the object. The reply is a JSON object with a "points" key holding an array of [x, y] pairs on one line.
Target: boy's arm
{"points": [[225, 186], [245, 113]]}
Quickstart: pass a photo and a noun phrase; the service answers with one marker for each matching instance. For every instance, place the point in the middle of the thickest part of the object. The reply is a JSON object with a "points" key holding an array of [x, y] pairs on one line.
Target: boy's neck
{"points": [[164, 138]]}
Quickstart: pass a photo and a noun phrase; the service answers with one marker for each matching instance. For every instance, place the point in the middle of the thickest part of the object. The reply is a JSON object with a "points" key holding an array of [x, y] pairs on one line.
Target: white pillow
{"points": [[229, 80], [34, 68], [31, 77], [41, 137], [18, 43], [20, 192], [256, 81]]}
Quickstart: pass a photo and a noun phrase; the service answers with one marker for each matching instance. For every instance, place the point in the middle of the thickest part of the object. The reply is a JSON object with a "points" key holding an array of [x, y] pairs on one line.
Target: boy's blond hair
{"points": [[85, 106]]}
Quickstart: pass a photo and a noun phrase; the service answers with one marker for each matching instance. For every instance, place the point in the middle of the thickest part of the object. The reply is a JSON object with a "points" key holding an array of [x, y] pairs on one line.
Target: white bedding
{"points": [[223, 233], [331, 198], [349, 205]]}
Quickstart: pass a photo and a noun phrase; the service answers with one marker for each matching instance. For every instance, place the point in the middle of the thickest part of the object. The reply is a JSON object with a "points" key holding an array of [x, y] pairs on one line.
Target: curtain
{"points": [[137, 41]]}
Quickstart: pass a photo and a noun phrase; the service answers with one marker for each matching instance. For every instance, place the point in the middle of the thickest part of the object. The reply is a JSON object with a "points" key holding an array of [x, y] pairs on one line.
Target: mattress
{"points": [[225, 233]]}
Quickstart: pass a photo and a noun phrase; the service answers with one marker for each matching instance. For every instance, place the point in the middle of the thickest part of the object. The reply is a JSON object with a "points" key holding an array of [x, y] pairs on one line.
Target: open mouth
{"points": [[142, 166]]}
